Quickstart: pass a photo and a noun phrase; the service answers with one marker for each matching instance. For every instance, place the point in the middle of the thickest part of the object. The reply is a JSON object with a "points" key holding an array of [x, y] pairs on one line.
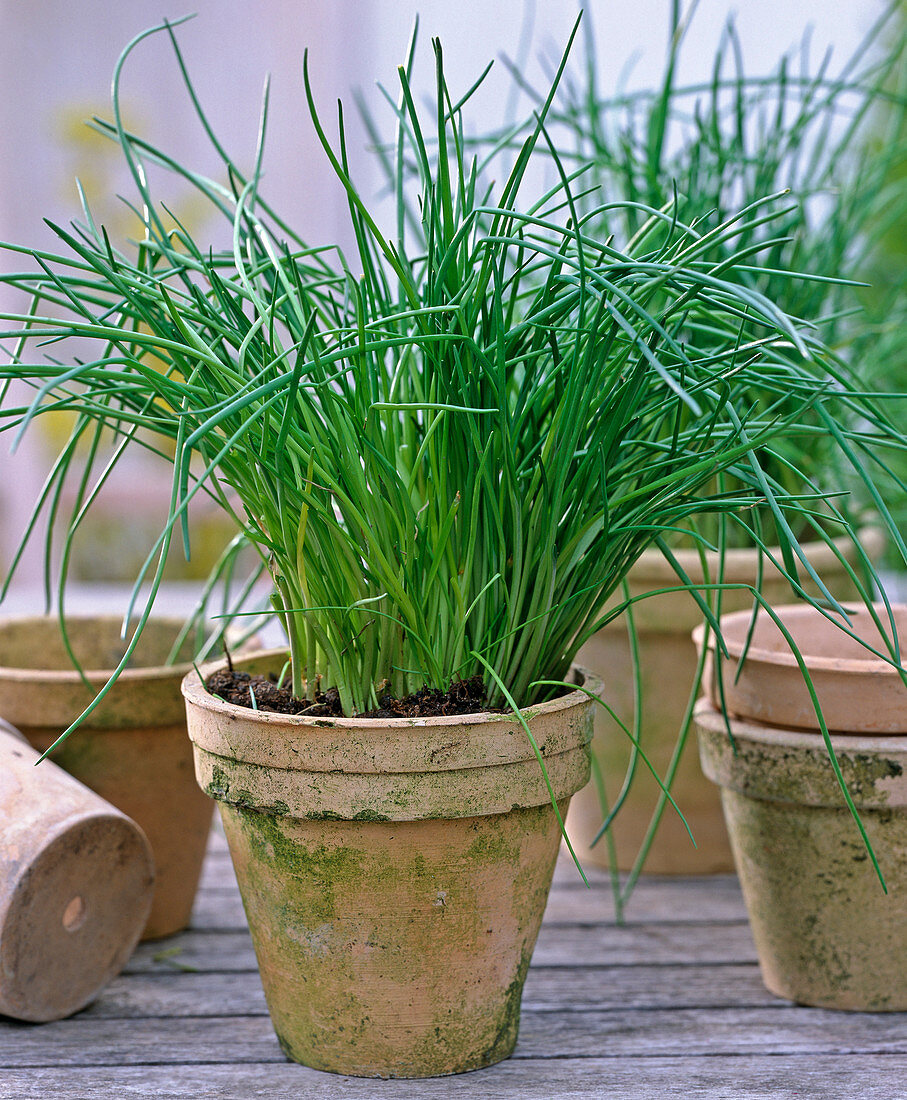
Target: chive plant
{"points": [[738, 137], [449, 448], [826, 143], [829, 141]]}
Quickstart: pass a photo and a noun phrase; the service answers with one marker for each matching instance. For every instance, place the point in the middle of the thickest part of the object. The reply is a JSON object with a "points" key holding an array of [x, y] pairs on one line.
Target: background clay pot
{"points": [[858, 692], [668, 664], [76, 879], [394, 872], [133, 750], [825, 932]]}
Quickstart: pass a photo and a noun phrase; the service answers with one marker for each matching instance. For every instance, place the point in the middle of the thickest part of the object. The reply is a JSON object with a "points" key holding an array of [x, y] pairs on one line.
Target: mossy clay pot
{"points": [[668, 662], [825, 931], [394, 872], [132, 750]]}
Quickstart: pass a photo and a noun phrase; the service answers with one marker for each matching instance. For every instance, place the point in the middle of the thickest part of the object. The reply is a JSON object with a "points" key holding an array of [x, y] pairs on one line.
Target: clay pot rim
{"points": [[95, 676], [738, 561], [193, 690], [840, 666], [798, 737]]}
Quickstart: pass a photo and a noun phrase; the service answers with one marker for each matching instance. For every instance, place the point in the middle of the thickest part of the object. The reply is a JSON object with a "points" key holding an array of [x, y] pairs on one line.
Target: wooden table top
{"points": [[669, 1005]]}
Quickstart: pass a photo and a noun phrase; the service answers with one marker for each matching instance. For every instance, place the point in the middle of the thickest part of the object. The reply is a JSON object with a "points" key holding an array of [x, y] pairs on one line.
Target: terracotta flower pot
{"points": [[826, 933], [133, 750], [858, 692], [668, 668], [394, 872], [76, 879]]}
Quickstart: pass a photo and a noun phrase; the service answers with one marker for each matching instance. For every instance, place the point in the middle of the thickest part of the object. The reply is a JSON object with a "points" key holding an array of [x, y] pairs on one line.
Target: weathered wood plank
{"points": [[671, 943], [645, 987], [139, 996], [752, 1077], [217, 873], [558, 945], [717, 898], [668, 1005], [783, 1031], [226, 952], [147, 995]]}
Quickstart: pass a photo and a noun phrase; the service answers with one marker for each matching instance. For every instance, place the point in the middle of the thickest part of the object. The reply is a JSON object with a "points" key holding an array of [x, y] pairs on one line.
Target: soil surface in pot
{"points": [[241, 688]]}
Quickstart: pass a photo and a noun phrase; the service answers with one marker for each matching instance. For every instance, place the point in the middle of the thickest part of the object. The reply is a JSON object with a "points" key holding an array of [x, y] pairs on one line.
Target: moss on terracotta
{"points": [[801, 772], [864, 773], [508, 1024], [370, 815], [222, 788], [402, 944], [825, 931]]}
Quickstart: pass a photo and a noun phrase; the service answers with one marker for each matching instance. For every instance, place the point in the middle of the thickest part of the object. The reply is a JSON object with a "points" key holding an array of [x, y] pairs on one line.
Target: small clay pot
{"points": [[132, 750], [857, 691], [76, 880], [668, 661], [394, 872], [825, 931]]}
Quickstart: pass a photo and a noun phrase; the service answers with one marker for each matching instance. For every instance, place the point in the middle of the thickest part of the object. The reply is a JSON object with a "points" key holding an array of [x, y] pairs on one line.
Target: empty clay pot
{"points": [[76, 880], [394, 872], [858, 691], [133, 750], [668, 668], [825, 931]]}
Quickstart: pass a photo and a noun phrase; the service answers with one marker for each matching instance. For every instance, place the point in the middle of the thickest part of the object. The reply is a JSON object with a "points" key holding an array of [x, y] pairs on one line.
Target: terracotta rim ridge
{"points": [[193, 689], [652, 565], [94, 675], [785, 658]]}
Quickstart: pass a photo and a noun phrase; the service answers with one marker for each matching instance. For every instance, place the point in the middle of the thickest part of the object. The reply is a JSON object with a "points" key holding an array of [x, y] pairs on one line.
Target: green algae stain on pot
{"points": [[866, 775], [370, 815], [399, 945], [508, 1024], [488, 845], [303, 878], [793, 767], [222, 788]]}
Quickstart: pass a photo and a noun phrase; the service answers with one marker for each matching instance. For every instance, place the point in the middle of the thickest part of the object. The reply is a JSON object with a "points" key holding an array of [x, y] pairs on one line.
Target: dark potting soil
{"points": [[462, 697]]}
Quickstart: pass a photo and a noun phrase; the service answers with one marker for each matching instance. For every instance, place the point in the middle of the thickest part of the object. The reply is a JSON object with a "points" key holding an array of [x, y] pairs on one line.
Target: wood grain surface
{"points": [[668, 1005]]}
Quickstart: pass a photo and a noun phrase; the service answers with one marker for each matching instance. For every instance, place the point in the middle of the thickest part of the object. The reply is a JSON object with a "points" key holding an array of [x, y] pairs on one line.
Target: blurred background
{"points": [[56, 61]]}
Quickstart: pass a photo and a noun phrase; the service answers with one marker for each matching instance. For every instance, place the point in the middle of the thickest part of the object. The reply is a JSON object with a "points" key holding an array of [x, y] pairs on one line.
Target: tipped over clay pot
{"points": [[394, 871], [76, 879]]}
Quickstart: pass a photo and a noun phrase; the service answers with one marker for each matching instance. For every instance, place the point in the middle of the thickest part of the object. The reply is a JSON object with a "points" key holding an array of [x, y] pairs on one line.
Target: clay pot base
{"points": [[74, 919], [148, 774], [394, 949]]}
